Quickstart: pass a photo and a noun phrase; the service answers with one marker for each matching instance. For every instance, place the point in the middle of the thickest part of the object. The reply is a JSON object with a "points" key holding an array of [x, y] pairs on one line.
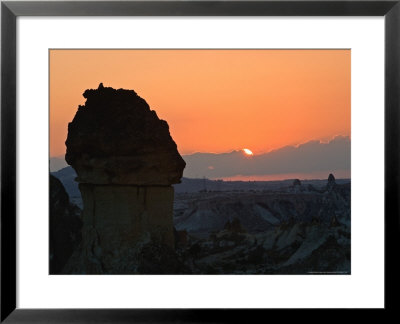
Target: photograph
{"points": [[200, 161]]}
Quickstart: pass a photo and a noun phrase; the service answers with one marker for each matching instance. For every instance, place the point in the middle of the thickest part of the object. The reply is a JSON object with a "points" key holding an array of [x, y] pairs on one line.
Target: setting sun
{"points": [[247, 151], [169, 80]]}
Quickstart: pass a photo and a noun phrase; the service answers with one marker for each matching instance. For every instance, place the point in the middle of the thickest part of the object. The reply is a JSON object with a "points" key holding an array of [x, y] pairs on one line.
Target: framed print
{"points": [[227, 196], [162, 159]]}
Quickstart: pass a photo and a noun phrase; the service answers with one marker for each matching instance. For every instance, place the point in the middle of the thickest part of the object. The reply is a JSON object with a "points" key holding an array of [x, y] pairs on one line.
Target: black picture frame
{"points": [[10, 10]]}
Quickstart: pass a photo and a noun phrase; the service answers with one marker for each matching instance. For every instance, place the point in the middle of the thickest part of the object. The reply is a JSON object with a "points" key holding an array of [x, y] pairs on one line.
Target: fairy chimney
{"points": [[126, 162]]}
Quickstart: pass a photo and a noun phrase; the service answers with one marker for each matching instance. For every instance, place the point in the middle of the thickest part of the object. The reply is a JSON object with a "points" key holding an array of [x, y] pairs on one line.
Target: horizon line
{"points": [[255, 154]]}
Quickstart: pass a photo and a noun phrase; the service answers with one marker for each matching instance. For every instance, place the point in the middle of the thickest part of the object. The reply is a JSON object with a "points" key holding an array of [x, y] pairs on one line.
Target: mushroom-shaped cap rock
{"points": [[115, 138]]}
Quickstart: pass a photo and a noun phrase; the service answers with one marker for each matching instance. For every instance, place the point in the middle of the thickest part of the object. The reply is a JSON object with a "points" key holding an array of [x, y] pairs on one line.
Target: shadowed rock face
{"points": [[65, 226], [116, 139]]}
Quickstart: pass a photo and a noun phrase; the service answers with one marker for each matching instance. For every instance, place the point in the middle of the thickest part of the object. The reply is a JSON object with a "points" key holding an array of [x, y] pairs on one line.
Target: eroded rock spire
{"points": [[126, 162]]}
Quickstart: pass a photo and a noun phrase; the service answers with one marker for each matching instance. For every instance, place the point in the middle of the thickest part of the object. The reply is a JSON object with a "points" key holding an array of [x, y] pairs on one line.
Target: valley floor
{"points": [[293, 231]]}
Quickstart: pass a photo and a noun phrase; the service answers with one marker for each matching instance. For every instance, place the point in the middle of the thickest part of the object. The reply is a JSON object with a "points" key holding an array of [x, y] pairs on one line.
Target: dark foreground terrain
{"points": [[287, 227]]}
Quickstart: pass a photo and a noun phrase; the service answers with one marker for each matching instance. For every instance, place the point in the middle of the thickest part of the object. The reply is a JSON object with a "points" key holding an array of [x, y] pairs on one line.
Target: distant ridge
{"points": [[67, 177], [57, 163], [307, 158]]}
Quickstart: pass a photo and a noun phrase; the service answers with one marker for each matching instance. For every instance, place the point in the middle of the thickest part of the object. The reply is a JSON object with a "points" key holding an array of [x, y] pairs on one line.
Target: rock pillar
{"points": [[126, 162]]}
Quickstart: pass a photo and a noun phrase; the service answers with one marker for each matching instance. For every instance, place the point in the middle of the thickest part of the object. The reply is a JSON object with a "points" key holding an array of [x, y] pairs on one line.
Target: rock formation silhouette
{"points": [[116, 139], [331, 182], [296, 182], [126, 162], [65, 226]]}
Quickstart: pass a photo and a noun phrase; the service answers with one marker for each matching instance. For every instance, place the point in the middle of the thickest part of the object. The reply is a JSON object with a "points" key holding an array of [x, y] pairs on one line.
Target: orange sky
{"points": [[214, 100]]}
